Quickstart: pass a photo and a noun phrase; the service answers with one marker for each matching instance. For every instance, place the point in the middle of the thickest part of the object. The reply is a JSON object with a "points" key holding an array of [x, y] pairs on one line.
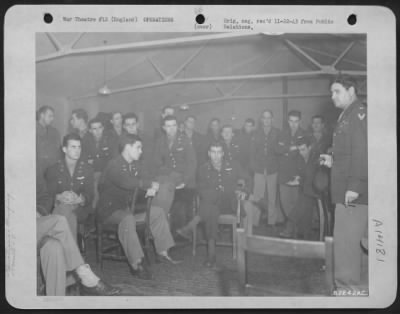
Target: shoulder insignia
{"points": [[361, 116]]}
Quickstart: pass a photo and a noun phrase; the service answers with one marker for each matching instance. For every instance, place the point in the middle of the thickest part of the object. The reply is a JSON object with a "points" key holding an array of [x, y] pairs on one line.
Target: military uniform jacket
{"points": [[263, 151], [246, 142], [59, 180], [213, 184], [180, 158], [320, 146], [287, 166], [117, 185], [232, 150], [99, 154], [306, 172], [197, 141], [48, 145], [349, 150]]}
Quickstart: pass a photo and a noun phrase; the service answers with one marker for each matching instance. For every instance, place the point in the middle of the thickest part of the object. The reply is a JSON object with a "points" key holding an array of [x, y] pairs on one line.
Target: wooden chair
{"points": [[230, 220], [108, 233], [249, 243]]}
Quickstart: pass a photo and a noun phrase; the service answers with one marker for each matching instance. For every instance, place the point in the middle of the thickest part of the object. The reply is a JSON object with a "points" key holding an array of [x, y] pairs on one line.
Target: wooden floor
{"points": [[277, 275]]}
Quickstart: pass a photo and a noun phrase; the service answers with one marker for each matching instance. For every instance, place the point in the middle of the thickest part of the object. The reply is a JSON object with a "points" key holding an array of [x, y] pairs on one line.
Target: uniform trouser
{"points": [[59, 254], [96, 178], [302, 214], [182, 208], [165, 195], [265, 187], [210, 212], [69, 212], [350, 225], [129, 239], [288, 197]]}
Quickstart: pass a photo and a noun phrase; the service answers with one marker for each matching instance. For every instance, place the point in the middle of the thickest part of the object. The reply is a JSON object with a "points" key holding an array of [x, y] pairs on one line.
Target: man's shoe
{"points": [[166, 259], [102, 288], [142, 272]]}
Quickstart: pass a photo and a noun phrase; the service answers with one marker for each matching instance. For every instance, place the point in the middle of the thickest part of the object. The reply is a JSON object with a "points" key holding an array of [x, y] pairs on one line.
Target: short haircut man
{"points": [[70, 137], [43, 110], [80, 114], [294, 113]]}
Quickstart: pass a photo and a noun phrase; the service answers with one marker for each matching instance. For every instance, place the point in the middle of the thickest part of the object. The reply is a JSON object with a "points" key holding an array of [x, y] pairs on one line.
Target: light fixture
{"points": [[104, 90]]}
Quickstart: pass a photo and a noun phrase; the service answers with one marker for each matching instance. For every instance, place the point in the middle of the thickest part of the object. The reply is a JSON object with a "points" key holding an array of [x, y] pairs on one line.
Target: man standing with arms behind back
{"points": [[349, 184]]}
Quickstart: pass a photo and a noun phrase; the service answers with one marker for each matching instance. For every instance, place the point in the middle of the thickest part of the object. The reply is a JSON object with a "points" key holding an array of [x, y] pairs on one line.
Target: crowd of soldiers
{"points": [[103, 160]]}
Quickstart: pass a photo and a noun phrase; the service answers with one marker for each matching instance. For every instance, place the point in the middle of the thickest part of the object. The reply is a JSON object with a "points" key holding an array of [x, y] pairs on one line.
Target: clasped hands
{"points": [[70, 198]]}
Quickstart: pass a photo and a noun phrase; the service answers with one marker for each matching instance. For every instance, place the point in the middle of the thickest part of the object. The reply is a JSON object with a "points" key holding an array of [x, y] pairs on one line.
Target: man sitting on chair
{"points": [[121, 177], [220, 184], [59, 252], [300, 219]]}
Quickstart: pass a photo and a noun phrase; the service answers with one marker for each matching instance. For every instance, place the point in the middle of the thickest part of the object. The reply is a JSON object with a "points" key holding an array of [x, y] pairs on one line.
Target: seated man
{"points": [[59, 252], [220, 183], [70, 181], [175, 162], [300, 219], [121, 177]]}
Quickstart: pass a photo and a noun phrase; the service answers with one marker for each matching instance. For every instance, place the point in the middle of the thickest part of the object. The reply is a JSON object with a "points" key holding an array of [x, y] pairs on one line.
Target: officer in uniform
{"points": [[231, 145], [121, 177], [349, 183], [79, 124], [59, 252], [219, 182], [288, 153], [70, 181], [101, 148], [175, 161], [264, 163], [48, 140]]}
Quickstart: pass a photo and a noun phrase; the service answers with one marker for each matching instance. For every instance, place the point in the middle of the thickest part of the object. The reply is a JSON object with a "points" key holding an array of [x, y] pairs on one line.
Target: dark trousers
{"points": [[182, 208], [212, 205], [302, 214]]}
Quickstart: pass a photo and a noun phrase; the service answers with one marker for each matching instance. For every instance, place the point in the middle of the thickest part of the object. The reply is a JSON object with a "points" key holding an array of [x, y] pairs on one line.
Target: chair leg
{"points": [[194, 240], [234, 241]]}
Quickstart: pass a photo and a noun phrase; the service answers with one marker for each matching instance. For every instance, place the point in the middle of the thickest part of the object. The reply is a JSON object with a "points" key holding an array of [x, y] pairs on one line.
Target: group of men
{"points": [[271, 171]]}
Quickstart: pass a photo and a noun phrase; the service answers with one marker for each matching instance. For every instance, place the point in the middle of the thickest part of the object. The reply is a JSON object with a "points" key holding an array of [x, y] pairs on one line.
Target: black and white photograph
{"points": [[199, 163]]}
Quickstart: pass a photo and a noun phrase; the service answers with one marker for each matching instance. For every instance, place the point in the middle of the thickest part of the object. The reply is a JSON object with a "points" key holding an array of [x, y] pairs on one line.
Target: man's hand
{"points": [[349, 197], [151, 192], [294, 182], [180, 186], [326, 160], [293, 148], [240, 195], [155, 186]]}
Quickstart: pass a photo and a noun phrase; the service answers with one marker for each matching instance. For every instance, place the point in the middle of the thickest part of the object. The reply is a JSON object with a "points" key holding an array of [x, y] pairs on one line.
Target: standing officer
{"points": [[101, 148], [121, 177], [79, 124], [48, 140], [195, 139], [349, 182], [230, 143], [288, 154], [264, 163], [70, 182], [165, 111]]}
